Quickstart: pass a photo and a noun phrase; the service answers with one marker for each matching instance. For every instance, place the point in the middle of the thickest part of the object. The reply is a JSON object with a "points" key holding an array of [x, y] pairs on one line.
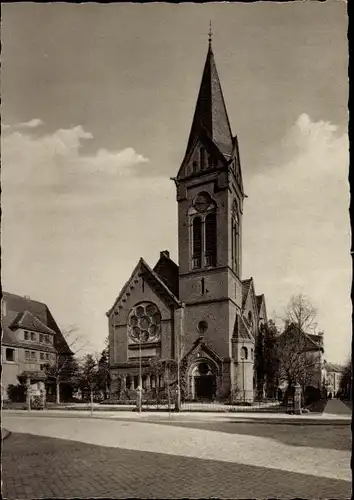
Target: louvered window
{"points": [[197, 242], [210, 240]]}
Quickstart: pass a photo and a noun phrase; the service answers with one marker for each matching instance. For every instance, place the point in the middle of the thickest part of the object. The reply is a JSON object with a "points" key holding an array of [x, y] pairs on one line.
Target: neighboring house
{"points": [[31, 340], [333, 375], [311, 345], [201, 311]]}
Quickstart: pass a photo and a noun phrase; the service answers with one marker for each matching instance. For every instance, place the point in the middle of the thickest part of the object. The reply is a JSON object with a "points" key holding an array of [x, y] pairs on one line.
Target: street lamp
{"points": [[140, 388], [178, 346]]}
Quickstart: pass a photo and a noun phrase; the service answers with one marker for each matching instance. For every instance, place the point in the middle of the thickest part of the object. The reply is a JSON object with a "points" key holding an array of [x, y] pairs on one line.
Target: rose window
{"points": [[144, 323]]}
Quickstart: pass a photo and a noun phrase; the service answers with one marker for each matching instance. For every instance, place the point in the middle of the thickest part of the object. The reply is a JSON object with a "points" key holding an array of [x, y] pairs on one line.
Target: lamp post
{"points": [[139, 388], [243, 370], [178, 346]]}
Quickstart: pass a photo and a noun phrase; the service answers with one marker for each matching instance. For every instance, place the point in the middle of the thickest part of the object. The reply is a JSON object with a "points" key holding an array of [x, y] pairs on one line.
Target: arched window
{"points": [[202, 158], [203, 231], [252, 354], [197, 242], [250, 318], [210, 239], [244, 353], [235, 238]]}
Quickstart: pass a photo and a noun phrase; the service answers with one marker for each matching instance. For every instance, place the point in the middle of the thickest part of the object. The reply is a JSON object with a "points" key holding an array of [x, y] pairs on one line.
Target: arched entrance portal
{"points": [[203, 382]]}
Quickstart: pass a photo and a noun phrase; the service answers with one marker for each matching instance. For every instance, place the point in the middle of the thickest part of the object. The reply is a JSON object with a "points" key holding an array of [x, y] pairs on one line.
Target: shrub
{"points": [[16, 393], [37, 403]]}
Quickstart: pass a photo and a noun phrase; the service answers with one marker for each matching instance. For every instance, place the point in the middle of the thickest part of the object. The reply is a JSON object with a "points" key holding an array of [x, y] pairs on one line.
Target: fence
{"points": [[271, 406]]}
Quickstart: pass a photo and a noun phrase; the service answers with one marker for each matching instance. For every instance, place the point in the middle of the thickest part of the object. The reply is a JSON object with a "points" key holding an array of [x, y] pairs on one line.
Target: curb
{"points": [[5, 434], [185, 418]]}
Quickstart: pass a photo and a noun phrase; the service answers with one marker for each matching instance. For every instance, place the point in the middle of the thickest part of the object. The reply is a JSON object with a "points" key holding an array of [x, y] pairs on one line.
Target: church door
{"points": [[205, 387]]}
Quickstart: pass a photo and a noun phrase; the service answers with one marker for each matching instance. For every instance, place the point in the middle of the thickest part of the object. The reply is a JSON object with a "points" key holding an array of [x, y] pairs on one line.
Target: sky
{"points": [[97, 104]]}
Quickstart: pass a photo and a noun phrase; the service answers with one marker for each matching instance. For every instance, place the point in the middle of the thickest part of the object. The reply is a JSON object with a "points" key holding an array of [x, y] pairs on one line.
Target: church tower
{"points": [[210, 205]]}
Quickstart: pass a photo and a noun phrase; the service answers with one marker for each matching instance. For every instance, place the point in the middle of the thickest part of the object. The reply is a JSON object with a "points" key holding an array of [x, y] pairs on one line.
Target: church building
{"points": [[201, 312]]}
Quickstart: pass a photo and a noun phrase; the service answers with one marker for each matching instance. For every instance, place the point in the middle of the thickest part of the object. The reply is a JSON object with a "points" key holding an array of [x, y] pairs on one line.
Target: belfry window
{"points": [[203, 231], [197, 242], [210, 239]]}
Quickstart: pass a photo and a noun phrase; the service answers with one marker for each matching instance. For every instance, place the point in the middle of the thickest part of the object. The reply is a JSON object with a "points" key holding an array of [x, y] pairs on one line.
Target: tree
{"points": [[63, 367], [162, 370], [301, 312], [296, 364], [266, 359], [346, 383], [87, 376], [103, 371]]}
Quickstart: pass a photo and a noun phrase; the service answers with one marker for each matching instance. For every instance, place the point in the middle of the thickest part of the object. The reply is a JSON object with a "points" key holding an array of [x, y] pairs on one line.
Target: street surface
{"points": [[64, 456]]}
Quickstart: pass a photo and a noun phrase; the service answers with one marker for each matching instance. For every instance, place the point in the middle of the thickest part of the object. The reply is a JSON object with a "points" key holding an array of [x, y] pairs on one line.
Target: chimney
{"points": [[165, 253]]}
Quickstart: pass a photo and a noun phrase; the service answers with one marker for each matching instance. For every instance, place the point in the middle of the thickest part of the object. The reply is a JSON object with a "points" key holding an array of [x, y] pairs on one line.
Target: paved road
{"points": [[83, 457], [337, 407]]}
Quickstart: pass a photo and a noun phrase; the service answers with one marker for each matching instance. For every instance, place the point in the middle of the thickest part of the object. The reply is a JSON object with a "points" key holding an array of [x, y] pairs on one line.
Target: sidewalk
{"points": [[269, 418]]}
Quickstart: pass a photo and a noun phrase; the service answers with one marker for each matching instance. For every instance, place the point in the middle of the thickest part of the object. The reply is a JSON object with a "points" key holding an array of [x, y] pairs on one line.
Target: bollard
{"points": [[178, 399], [297, 399], [138, 398]]}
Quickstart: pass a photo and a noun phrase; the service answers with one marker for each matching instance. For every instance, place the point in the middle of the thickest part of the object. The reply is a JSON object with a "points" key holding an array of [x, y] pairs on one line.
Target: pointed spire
{"points": [[210, 34], [210, 113]]}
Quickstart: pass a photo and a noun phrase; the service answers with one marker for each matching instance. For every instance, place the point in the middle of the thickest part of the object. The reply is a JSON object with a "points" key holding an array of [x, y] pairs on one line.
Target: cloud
{"points": [[74, 225], [55, 162], [34, 123], [296, 226]]}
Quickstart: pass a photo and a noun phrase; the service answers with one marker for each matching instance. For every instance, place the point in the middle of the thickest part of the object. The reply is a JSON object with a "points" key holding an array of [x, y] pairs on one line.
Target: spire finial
{"points": [[210, 34]]}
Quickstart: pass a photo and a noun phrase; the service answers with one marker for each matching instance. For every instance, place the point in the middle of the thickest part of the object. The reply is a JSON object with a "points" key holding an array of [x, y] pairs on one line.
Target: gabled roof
{"points": [[314, 342], [246, 285], [167, 270], [241, 329], [151, 275], [26, 320], [219, 160], [259, 299], [200, 345], [331, 367], [210, 112], [16, 305]]}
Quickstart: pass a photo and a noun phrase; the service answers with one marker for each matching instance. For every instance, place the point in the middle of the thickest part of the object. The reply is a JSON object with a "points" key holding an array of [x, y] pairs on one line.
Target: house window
{"points": [[244, 353], [41, 355], [26, 336], [136, 381], [46, 356], [27, 355], [33, 337], [47, 339], [41, 337], [10, 354], [33, 355]]}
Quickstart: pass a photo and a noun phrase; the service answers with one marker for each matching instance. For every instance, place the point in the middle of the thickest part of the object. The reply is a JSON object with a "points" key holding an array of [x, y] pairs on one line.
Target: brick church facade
{"points": [[201, 312]]}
